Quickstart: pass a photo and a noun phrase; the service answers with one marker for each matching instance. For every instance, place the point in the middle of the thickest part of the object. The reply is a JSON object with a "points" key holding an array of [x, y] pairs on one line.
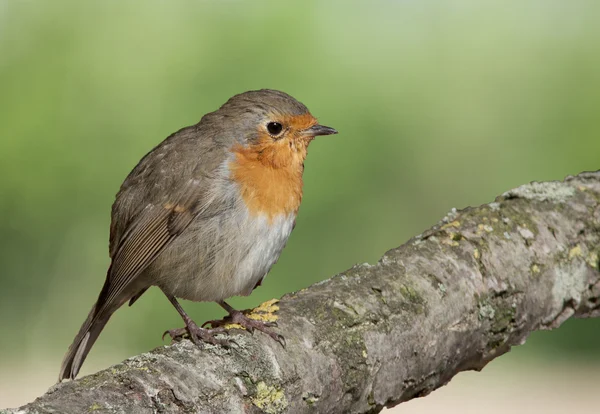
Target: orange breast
{"points": [[270, 177]]}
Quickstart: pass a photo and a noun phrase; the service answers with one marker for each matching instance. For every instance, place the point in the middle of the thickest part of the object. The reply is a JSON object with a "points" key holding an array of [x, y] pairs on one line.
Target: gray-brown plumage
{"points": [[206, 213]]}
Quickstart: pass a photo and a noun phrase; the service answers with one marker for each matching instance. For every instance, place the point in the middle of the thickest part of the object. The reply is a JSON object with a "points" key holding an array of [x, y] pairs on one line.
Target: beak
{"points": [[317, 130]]}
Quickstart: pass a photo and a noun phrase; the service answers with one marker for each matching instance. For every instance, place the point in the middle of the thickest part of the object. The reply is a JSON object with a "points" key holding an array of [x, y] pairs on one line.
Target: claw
{"points": [[281, 340], [251, 324], [214, 323], [175, 334], [197, 335]]}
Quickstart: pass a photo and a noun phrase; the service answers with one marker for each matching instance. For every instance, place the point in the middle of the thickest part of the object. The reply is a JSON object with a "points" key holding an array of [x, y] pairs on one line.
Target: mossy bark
{"points": [[449, 300]]}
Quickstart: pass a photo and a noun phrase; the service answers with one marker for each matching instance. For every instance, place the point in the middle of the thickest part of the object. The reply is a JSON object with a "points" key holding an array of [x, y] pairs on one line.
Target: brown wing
{"points": [[157, 202], [153, 230]]}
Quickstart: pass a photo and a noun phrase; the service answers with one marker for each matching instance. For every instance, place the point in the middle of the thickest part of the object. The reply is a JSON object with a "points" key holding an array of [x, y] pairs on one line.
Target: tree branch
{"points": [[449, 300]]}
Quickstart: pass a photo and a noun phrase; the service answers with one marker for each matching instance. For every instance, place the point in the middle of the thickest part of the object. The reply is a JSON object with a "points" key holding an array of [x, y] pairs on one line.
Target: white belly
{"points": [[269, 239]]}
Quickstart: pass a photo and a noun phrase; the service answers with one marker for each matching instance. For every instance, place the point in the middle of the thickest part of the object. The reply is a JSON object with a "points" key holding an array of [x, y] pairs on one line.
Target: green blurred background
{"points": [[438, 104]]}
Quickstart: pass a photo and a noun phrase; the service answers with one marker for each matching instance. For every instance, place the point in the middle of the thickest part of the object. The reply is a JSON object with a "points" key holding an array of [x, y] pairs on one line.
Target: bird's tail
{"points": [[77, 352]]}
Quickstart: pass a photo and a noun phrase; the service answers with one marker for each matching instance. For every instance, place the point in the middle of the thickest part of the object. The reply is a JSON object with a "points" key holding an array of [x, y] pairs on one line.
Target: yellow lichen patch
{"points": [[450, 242], [233, 326], [581, 188], [265, 312], [592, 260], [269, 399], [575, 252], [494, 220], [269, 306], [476, 254], [484, 227], [535, 268], [455, 224]]}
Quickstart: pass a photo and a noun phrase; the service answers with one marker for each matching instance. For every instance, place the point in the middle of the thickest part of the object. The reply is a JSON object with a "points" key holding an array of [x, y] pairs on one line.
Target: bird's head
{"points": [[272, 124]]}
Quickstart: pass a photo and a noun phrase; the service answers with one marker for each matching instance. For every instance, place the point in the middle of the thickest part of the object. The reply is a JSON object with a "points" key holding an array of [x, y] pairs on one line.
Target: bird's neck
{"points": [[269, 178]]}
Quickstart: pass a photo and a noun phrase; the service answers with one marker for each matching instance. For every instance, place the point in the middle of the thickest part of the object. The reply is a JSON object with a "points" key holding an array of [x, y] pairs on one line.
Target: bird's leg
{"points": [[197, 334], [238, 317]]}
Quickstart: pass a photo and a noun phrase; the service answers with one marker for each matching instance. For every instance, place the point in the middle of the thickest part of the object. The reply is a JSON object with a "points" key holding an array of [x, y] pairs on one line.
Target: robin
{"points": [[206, 214]]}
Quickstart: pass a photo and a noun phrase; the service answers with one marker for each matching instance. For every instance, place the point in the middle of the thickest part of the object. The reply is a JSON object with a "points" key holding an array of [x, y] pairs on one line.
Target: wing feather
{"points": [[148, 236]]}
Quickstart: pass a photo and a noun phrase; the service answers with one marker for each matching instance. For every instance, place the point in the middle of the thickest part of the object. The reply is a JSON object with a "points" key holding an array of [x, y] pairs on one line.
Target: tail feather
{"points": [[77, 352]]}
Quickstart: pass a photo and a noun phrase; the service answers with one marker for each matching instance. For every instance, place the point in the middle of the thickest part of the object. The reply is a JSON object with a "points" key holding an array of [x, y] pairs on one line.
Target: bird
{"points": [[206, 214]]}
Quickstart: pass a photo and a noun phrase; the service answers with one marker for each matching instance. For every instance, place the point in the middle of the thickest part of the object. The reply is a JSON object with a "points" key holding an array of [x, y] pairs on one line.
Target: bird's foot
{"points": [[238, 319], [198, 335]]}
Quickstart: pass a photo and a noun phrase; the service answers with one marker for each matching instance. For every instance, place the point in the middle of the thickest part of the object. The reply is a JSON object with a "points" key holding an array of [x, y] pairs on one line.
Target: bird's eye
{"points": [[274, 128]]}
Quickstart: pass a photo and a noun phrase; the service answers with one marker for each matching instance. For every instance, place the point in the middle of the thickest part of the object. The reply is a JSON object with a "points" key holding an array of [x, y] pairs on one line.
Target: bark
{"points": [[449, 300]]}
